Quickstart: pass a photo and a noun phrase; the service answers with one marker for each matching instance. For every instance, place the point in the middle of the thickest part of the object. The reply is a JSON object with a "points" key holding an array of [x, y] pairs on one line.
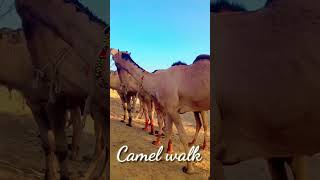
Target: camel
{"points": [[198, 115], [132, 88], [128, 101], [173, 90], [266, 99], [75, 28], [13, 47], [128, 98]]}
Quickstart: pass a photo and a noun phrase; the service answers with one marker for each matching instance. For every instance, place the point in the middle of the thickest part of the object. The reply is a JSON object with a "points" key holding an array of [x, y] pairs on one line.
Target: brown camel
{"points": [[16, 58], [131, 87], [128, 97], [173, 90], [15, 54], [267, 98], [128, 100], [48, 37]]}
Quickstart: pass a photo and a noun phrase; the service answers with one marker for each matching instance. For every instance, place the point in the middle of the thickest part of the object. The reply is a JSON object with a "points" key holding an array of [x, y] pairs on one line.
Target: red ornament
{"points": [[103, 54]]}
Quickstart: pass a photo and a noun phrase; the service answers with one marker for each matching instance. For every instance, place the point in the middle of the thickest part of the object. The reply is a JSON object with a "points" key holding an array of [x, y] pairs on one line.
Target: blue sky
{"points": [[158, 33]]}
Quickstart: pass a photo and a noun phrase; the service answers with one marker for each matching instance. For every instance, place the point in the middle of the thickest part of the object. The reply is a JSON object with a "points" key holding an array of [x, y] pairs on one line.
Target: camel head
{"points": [[123, 59], [124, 62]]}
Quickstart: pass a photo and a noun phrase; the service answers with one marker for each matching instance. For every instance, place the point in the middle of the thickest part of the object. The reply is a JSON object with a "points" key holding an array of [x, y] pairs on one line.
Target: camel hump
{"points": [[178, 63], [202, 57], [224, 6]]}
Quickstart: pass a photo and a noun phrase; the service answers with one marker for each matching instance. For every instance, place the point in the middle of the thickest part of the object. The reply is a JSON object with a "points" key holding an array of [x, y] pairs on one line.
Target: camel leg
{"points": [[198, 127], [125, 107], [100, 159], [218, 145], [277, 168], [47, 139], [56, 114], [168, 141], [98, 132], [205, 129], [299, 167], [75, 114], [160, 124], [130, 111], [68, 119], [146, 115], [183, 138], [218, 172], [151, 117]]}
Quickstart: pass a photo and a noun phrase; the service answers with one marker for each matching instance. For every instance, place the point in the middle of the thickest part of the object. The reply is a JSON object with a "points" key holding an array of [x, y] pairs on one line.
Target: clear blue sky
{"points": [[158, 33]]}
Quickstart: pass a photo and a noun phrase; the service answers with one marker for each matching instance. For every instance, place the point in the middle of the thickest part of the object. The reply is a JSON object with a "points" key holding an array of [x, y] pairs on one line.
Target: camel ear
{"points": [[113, 52]]}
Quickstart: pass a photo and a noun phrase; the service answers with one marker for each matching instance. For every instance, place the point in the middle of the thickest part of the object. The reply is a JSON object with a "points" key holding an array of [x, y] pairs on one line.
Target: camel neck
{"points": [[114, 82], [81, 30]]}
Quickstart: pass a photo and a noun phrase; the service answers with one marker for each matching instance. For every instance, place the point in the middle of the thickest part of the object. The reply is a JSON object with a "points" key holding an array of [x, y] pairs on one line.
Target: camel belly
{"points": [[194, 106]]}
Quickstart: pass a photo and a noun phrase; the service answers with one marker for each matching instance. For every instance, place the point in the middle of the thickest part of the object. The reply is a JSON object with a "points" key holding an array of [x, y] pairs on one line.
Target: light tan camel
{"points": [[49, 36], [128, 101], [200, 117], [267, 98], [173, 90]]}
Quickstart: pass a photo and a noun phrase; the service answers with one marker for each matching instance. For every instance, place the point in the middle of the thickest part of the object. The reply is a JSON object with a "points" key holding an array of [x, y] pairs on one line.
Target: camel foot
{"points": [[129, 125], [156, 143], [152, 133], [122, 121], [188, 170], [190, 144]]}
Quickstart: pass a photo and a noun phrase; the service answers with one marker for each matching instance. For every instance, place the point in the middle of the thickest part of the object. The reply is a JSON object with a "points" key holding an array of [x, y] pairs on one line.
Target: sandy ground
{"points": [[21, 154], [139, 141]]}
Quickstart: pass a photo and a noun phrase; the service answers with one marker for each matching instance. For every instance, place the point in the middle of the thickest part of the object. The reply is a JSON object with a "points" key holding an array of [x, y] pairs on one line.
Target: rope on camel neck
{"points": [[54, 83]]}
